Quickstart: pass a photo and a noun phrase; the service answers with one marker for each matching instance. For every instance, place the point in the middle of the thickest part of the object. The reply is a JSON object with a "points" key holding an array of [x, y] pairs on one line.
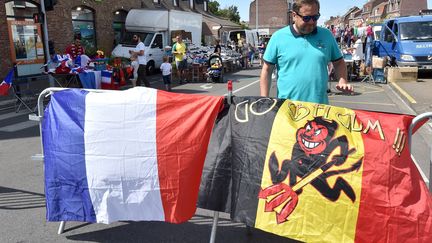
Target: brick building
{"points": [[272, 15], [378, 13], [100, 23], [368, 8], [396, 8]]}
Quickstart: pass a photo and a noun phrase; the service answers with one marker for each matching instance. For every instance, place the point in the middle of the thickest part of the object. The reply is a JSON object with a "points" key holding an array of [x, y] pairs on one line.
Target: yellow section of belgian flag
{"points": [[315, 218]]}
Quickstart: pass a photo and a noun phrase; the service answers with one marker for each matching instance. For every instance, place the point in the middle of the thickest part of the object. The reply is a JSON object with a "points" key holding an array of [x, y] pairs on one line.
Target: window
{"points": [[156, 1], [395, 29], [388, 36], [419, 31], [25, 36], [157, 43], [205, 6], [191, 4], [83, 23], [119, 25], [176, 3]]}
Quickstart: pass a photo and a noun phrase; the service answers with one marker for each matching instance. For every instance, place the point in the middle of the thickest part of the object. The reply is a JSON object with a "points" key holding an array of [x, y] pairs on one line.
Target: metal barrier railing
{"points": [[49, 91], [414, 123]]}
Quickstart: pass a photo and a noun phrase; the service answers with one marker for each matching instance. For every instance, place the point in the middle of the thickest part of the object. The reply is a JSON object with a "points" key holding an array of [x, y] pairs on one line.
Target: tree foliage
{"points": [[213, 7], [230, 13]]}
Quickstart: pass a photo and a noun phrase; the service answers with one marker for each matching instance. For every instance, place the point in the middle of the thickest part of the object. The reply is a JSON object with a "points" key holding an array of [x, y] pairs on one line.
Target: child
{"points": [[166, 68], [135, 66], [216, 65]]}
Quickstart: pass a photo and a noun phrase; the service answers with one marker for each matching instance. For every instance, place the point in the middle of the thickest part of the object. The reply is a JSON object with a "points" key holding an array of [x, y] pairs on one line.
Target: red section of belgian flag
{"points": [[395, 204]]}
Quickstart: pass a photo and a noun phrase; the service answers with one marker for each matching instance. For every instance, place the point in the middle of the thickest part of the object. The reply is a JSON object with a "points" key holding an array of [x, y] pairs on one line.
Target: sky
{"points": [[328, 7]]}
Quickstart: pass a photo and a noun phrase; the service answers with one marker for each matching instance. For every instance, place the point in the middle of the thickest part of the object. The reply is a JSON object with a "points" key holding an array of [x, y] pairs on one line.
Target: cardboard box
{"points": [[401, 74], [378, 62]]}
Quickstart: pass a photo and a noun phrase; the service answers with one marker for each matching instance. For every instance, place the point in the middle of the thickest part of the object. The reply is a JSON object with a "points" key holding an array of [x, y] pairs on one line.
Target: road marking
{"points": [[371, 92], [359, 102], [404, 93], [412, 156], [12, 115], [244, 87], [206, 86], [365, 88], [18, 126], [423, 175]]}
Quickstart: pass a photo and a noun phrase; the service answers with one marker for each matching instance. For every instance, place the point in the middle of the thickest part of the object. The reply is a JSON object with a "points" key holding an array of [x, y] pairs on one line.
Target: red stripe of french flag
{"points": [[182, 147]]}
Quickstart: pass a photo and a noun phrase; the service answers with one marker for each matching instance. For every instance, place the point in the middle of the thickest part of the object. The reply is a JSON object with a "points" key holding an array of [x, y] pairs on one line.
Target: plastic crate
{"points": [[347, 56], [378, 75]]}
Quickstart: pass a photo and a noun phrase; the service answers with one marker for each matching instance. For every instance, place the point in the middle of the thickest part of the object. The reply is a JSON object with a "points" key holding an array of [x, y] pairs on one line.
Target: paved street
{"points": [[22, 209]]}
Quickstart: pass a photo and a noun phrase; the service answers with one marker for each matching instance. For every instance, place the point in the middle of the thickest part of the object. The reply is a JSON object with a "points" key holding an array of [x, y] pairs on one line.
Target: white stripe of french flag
{"points": [[125, 155]]}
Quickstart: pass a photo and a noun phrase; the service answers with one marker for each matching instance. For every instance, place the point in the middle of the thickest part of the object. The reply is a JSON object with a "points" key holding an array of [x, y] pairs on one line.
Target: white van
{"points": [[155, 28], [251, 37]]}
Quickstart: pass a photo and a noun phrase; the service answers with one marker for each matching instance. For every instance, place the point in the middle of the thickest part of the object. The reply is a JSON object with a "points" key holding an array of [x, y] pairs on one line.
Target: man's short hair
{"points": [[299, 3], [77, 36]]}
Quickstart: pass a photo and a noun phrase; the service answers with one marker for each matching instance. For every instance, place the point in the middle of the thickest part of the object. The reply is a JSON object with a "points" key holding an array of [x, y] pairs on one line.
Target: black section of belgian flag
{"points": [[235, 159]]}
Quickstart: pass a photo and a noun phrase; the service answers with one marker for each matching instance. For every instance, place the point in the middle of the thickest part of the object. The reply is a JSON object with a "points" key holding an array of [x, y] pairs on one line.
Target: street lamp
{"points": [[256, 15]]}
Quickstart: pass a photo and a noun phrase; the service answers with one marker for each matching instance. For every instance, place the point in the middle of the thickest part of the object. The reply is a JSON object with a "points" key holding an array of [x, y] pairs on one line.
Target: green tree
{"points": [[234, 14], [213, 7], [230, 13]]}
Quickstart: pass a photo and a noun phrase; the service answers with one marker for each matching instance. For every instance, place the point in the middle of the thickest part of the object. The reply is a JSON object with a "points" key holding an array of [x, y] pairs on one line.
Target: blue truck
{"points": [[407, 41]]}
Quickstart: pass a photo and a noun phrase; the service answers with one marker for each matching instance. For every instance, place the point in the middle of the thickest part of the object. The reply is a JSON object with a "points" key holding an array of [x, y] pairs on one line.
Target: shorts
{"points": [[166, 79], [181, 65]]}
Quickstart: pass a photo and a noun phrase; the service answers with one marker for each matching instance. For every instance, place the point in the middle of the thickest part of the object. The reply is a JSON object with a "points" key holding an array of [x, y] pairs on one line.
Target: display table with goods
{"points": [[86, 73]]}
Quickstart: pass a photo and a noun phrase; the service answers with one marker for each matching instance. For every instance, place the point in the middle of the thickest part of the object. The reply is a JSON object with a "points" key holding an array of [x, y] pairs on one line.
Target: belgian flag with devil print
{"points": [[316, 173]]}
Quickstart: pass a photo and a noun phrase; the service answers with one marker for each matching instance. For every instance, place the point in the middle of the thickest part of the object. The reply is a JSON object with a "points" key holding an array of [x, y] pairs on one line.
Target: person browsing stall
{"points": [[179, 51], [301, 53], [357, 53], [142, 61], [75, 49], [218, 48]]}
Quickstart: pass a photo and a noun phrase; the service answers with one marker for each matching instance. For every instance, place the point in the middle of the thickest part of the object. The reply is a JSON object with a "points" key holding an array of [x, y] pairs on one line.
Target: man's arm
{"points": [[265, 78], [139, 53], [341, 75]]}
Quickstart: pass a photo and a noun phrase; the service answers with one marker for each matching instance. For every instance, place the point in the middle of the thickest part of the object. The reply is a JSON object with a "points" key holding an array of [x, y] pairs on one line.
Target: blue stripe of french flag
{"points": [[125, 155]]}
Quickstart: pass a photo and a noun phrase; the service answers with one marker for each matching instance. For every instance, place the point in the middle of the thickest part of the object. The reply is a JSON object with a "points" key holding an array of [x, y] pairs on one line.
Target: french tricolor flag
{"points": [[7, 83], [106, 79], [125, 155]]}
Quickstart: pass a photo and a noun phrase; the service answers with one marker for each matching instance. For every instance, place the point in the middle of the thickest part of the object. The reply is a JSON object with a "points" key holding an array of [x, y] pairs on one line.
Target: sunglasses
{"points": [[308, 18]]}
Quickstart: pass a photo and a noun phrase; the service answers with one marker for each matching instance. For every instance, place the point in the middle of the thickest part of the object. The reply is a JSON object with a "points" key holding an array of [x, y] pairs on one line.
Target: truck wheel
{"points": [[150, 68]]}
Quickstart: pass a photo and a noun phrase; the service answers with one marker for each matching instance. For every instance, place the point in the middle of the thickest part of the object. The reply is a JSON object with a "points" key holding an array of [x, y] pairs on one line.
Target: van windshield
{"points": [[421, 31], [146, 38]]}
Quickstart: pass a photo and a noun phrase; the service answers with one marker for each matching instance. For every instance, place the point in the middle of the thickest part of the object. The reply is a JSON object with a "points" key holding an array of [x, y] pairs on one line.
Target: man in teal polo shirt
{"points": [[301, 53]]}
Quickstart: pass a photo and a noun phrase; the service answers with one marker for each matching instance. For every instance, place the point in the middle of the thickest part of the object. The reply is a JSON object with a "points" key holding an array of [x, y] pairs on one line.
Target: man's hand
{"points": [[345, 87]]}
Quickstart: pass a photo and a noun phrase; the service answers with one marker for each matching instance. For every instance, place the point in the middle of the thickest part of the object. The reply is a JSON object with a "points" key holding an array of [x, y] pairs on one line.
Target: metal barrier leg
{"points": [[61, 227], [214, 227]]}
